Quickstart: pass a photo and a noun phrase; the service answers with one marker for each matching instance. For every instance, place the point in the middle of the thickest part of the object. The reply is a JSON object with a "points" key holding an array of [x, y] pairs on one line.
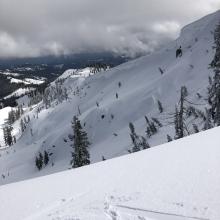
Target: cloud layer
{"points": [[30, 28]]}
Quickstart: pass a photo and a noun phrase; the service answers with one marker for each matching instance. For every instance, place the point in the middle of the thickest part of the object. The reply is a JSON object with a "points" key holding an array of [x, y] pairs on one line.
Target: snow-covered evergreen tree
{"points": [[139, 142], [179, 117], [22, 125], [11, 117], [46, 158], [134, 138], [39, 160], [80, 155], [152, 127], [216, 61], [208, 122], [7, 129], [214, 83]]}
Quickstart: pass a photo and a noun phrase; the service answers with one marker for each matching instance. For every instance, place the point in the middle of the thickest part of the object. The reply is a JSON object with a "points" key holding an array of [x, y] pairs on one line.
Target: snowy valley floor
{"points": [[176, 181]]}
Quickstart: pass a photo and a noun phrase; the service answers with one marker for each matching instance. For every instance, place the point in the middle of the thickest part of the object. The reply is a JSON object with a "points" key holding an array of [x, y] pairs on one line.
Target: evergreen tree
{"points": [[169, 139], [179, 119], [139, 142], [5, 135], [216, 61], [144, 144], [80, 156], [39, 161], [46, 158], [214, 84], [214, 98], [208, 121], [7, 129], [151, 126], [11, 117], [134, 138], [22, 125], [160, 106]]}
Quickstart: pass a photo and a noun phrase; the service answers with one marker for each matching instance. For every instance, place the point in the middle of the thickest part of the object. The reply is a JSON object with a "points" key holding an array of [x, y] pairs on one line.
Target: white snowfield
{"points": [[34, 81], [26, 81], [175, 181], [10, 74], [19, 92]]}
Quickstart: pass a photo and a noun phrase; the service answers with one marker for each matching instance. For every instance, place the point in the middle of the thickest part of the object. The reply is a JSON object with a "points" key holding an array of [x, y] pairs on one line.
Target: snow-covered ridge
{"points": [[175, 181], [106, 117], [26, 81], [77, 73], [19, 92], [10, 74]]}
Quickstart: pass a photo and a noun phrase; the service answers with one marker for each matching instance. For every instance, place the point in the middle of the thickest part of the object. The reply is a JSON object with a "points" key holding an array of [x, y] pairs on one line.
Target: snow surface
{"points": [[175, 181]]}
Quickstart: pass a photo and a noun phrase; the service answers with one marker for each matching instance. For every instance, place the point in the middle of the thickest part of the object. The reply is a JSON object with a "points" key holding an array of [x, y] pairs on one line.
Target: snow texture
{"points": [[175, 181]]}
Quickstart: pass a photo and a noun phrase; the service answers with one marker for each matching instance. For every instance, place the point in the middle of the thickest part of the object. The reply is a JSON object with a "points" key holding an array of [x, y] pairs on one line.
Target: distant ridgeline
{"points": [[48, 68]]}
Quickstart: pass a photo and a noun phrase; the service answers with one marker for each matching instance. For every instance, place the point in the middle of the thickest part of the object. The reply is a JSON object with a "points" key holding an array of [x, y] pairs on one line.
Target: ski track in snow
{"points": [[123, 212]]}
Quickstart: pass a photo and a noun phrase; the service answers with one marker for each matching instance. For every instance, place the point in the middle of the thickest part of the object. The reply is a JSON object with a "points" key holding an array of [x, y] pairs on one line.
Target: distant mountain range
{"points": [[48, 68], [73, 60]]}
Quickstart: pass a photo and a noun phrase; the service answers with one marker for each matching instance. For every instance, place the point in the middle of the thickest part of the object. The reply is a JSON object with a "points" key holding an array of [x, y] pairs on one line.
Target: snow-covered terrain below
{"points": [[34, 81], [19, 92], [10, 74], [142, 85], [26, 81], [175, 181]]}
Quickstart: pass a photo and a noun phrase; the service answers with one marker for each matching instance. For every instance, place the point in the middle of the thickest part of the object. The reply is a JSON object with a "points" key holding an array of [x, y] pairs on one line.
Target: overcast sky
{"points": [[41, 27]]}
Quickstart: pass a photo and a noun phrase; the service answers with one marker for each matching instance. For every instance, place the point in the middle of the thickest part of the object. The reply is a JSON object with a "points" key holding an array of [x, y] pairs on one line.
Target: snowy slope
{"points": [[175, 181], [142, 85], [26, 81], [20, 92]]}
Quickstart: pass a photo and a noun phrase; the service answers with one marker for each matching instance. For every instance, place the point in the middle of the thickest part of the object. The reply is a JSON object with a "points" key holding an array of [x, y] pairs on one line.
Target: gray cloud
{"points": [[33, 28]]}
